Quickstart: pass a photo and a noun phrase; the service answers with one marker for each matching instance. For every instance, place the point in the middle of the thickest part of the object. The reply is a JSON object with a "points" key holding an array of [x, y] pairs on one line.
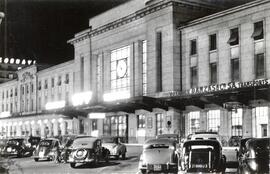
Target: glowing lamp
{"points": [[17, 61], [5, 114], [32, 122], [6, 60], [60, 120], [113, 96], [81, 98], [12, 60], [29, 62], [1, 59], [55, 105], [23, 61]]}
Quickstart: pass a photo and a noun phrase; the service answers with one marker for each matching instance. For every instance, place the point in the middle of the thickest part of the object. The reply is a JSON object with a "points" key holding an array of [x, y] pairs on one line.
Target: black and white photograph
{"points": [[134, 86]]}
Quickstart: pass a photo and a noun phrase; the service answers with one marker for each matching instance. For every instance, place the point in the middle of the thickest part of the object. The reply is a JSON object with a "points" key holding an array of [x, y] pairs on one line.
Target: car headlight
{"points": [[253, 165]]}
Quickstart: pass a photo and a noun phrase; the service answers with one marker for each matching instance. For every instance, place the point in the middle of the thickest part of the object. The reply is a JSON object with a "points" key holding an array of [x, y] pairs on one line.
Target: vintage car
{"points": [[3, 143], [86, 150], [256, 157], [159, 155], [46, 149], [115, 146], [67, 142], [202, 156], [19, 147]]}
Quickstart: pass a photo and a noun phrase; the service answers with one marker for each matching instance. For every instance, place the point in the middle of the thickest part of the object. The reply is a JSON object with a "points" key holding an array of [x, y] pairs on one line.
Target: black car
{"points": [[19, 147], [202, 156], [256, 156], [242, 150]]}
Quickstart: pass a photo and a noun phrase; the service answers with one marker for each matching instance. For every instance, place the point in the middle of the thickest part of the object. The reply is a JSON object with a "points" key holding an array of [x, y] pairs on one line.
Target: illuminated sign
{"points": [[81, 98], [5, 114], [217, 87], [55, 105], [116, 96], [96, 115]]}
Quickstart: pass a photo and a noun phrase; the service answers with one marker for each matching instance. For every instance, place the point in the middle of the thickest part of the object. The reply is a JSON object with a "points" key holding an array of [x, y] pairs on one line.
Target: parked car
{"points": [[240, 153], [47, 149], [19, 147], [34, 140], [257, 155], [115, 146], [67, 142], [159, 155], [86, 150], [204, 136], [202, 156], [3, 143]]}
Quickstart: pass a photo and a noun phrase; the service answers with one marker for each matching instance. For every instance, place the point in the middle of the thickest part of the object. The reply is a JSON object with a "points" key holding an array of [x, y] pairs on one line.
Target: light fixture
{"points": [[113, 96], [29, 62], [81, 98], [12, 60], [32, 122], [23, 62], [5, 114], [17, 61], [1, 59], [6, 60], [60, 120], [96, 115]]}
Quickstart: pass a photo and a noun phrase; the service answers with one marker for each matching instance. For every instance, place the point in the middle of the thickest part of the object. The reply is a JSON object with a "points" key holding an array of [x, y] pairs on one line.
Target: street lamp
{"points": [[2, 15]]}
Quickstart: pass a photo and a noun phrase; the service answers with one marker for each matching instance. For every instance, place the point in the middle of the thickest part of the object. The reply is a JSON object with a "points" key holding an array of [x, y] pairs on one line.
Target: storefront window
{"points": [[237, 123], [120, 75], [260, 121], [194, 122], [213, 120], [141, 121], [159, 123], [115, 126]]}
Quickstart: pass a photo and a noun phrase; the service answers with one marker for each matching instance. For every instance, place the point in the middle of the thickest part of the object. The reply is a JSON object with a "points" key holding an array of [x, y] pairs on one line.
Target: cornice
{"points": [[135, 16]]}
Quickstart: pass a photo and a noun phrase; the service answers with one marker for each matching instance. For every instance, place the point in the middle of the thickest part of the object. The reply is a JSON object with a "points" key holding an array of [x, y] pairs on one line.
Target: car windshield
{"points": [[108, 140], [45, 143], [85, 142], [69, 143], [15, 142], [154, 146]]}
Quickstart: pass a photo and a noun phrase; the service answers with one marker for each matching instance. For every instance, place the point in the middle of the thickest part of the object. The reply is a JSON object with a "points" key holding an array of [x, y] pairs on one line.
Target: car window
{"points": [[154, 146], [108, 140], [15, 142], [45, 143]]}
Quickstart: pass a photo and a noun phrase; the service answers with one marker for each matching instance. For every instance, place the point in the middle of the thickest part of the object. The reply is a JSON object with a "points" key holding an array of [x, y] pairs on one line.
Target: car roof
{"points": [[202, 142], [160, 140]]}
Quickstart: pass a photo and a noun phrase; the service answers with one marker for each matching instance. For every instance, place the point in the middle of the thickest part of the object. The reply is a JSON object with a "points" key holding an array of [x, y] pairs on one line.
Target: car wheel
{"points": [[124, 156], [36, 159], [73, 165]]}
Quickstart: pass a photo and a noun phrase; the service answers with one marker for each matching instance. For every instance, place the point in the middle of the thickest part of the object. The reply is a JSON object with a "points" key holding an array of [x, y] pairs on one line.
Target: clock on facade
{"points": [[121, 68]]}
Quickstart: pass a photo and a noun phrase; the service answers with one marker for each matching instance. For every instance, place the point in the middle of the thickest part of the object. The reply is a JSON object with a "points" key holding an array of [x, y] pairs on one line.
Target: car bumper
{"points": [[42, 157], [184, 172], [9, 153], [80, 161], [159, 167]]}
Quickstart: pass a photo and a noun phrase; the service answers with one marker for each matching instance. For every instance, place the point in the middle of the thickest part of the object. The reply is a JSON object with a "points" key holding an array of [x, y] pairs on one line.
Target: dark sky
{"points": [[39, 29]]}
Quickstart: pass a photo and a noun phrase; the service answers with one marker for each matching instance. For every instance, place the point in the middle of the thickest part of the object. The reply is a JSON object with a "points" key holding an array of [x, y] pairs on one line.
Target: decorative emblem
{"points": [[27, 75], [121, 68]]}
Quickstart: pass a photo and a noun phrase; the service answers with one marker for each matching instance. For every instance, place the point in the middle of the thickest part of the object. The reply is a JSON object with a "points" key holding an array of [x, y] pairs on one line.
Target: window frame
{"points": [[193, 47], [213, 42]]}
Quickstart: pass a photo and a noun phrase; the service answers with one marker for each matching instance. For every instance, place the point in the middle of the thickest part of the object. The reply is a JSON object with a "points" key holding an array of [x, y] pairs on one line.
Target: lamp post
{"points": [[2, 15]]}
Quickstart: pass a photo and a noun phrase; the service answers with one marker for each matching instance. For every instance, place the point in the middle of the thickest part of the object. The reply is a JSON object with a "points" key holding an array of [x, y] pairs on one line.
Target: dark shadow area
{"points": [[101, 164]]}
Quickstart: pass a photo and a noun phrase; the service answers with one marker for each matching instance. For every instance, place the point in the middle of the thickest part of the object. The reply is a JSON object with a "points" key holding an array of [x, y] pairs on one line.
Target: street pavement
{"points": [[127, 166]]}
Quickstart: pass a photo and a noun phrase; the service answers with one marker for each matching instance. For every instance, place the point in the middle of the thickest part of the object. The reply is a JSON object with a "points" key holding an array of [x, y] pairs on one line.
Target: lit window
{"points": [[144, 66], [194, 77], [120, 75], [258, 31], [213, 73], [194, 122], [260, 121], [212, 42], [259, 66], [235, 75], [234, 37], [213, 120], [159, 123], [193, 47], [140, 121], [237, 124]]}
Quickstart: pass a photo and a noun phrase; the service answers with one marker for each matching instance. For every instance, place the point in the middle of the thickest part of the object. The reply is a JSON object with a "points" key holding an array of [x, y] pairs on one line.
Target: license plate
{"points": [[203, 166], [157, 167], [8, 149]]}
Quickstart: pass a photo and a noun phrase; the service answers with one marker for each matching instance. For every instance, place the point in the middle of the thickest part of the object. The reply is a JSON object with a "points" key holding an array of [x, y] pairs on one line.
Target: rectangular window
{"points": [[258, 32], [234, 37], [11, 93], [59, 81], [194, 122], [235, 75], [52, 81], [67, 79], [46, 84], [32, 87], [237, 122], [82, 71], [11, 107], [144, 67], [7, 94], [259, 66], [212, 42], [194, 77], [159, 123], [39, 103], [159, 60], [213, 120], [193, 47], [16, 91], [140, 121], [260, 121], [39, 85], [213, 73], [120, 71]]}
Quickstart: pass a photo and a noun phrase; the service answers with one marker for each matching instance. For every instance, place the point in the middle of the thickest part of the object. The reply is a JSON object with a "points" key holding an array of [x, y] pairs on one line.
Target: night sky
{"points": [[39, 29]]}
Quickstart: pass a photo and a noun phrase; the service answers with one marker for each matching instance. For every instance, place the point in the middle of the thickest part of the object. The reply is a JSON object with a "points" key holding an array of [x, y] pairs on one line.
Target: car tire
{"points": [[73, 165], [36, 159]]}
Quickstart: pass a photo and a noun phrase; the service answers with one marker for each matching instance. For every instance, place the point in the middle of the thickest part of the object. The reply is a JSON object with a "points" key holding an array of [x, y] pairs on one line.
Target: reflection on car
{"points": [[202, 156], [17, 147], [47, 149], [242, 150], [256, 157], [86, 150], [114, 145], [159, 155]]}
